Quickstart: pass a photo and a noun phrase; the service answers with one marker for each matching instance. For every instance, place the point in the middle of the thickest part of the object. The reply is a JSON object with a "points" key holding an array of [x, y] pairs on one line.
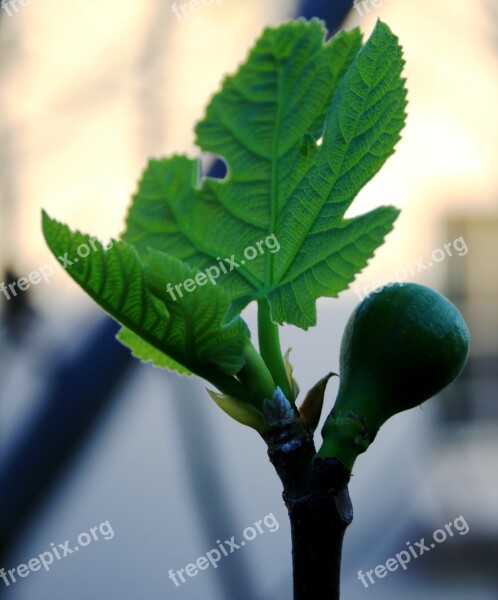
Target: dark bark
{"points": [[317, 500]]}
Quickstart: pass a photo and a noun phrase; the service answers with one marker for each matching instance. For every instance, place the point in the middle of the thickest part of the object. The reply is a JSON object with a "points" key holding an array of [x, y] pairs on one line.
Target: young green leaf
{"points": [[303, 126], [242, 411], [148, 353], [188, 333]]}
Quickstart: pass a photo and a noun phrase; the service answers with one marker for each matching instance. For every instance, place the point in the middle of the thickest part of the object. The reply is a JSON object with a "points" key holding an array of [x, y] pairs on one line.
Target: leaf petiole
{"points": [[270, 350]]}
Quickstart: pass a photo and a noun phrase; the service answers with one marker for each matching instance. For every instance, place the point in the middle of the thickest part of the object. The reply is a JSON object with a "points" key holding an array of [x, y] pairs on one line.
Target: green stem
{"points": [[226, 384], [344, 438], [256, 377], [269, 347], [253, 383]]}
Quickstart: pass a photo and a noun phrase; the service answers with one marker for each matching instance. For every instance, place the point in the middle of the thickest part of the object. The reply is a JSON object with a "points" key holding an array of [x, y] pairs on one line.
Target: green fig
{"points": [[401, 346]]}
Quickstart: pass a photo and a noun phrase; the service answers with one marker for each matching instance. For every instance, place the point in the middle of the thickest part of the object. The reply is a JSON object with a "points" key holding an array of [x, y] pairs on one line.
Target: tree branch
{"points": [[317, 499]]}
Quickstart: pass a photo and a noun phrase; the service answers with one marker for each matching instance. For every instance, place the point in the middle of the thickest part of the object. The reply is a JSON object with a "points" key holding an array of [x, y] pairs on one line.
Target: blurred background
{"points": [[88, 92]]}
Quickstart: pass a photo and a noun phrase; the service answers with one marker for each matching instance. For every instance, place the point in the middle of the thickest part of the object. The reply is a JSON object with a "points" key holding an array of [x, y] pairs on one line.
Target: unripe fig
{"points": [[401, 346]]}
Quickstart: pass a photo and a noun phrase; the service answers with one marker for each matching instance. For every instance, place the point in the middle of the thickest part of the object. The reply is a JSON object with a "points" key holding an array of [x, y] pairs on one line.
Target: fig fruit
{"points": [[401, 346]]}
